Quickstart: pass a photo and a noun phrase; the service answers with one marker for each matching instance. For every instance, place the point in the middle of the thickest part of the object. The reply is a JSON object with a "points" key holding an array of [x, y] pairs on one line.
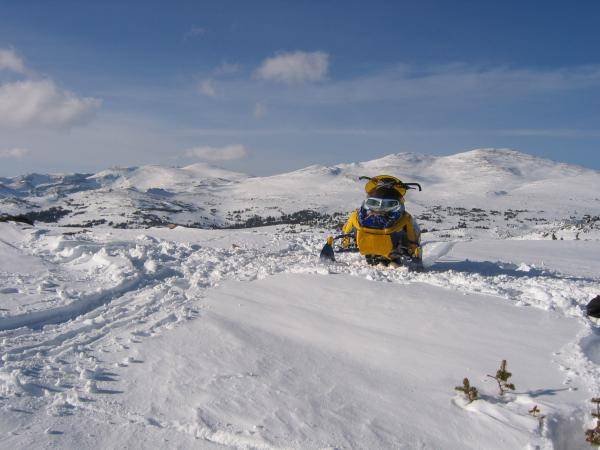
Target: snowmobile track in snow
{"points": [[116, 293]]}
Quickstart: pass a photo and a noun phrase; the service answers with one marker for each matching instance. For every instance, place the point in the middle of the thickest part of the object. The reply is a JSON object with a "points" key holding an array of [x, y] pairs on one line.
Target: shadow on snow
{"points": [[491, 269]]}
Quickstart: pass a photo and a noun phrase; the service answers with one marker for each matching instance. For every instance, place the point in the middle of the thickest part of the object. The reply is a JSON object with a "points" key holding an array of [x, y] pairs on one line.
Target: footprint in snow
{"points": [[8, 290]]}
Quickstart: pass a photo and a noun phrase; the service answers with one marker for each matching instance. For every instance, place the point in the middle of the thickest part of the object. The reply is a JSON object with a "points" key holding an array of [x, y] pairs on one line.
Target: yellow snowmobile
{"points": [[381, 229]]}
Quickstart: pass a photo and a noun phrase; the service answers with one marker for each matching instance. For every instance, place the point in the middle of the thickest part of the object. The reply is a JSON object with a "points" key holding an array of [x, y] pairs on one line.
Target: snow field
{"points": [[308, 361], [267, 348]]}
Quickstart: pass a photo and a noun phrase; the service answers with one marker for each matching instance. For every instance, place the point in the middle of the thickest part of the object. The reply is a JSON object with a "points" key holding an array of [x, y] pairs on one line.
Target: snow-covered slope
{"points": [[187, 338], [168, 178], [241, 338], [490, 180]]}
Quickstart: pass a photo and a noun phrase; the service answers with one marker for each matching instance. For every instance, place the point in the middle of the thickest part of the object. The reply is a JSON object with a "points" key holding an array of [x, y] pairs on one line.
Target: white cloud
{"points": [[41, 102], [31, 101], [260, 110], [206, 87], [450, 85], [16, 153], [295, 67], [227, 153], [9, 60]]}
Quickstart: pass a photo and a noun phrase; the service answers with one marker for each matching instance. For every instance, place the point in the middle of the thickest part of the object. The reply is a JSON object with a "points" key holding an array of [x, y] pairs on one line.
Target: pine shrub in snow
{"points": [[535, 412], [502, 376], [469, 391], [593, 434]]}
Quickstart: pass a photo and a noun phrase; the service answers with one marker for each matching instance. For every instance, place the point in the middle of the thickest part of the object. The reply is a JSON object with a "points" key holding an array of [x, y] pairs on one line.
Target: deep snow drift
{"points": [[192, 338]]}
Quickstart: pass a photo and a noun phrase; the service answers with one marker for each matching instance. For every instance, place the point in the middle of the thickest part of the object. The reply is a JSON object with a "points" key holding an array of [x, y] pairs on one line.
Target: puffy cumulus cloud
{"points": [[31, 101], [227, 153], [41, 102], [294, 67], [9, 60], [13, 153], [207, 87]]}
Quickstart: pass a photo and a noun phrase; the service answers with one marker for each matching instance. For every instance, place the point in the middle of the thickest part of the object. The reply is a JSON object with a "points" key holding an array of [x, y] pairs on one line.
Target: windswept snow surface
{"points": [[188, 338]]}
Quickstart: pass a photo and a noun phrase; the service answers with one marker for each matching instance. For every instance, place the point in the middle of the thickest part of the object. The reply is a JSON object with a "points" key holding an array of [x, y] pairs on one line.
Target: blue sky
{"points": [[268, 86]]}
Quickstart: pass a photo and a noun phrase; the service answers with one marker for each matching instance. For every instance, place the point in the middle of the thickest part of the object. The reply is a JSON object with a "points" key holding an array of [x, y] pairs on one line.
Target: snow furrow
{"points": [[145, 285], [39, 319]]}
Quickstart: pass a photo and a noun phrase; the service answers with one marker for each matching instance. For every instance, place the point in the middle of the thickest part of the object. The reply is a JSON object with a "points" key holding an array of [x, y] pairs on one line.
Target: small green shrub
{"points": [[502, 376], [593, 434], [469, 391]]}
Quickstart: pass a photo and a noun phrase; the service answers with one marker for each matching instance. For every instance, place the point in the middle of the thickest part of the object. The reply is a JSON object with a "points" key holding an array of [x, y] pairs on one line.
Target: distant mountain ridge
{"points": [[205, 196]]}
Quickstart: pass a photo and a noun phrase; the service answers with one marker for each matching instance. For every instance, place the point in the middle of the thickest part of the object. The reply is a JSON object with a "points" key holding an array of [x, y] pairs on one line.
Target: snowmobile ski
{"points": [[327, 252]]}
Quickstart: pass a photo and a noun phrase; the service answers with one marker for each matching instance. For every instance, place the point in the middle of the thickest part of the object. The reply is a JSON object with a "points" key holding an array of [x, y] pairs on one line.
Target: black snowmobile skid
{"points": [[412, 264], [328, 254]]}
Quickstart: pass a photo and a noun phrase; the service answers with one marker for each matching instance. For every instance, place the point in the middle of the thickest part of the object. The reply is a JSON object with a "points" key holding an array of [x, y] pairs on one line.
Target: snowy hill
{"points": [[121, 335], [172, 179], [200, 195]]}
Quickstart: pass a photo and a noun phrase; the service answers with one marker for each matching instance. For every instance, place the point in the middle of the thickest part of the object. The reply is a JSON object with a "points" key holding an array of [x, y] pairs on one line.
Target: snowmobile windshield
{"points": [[381, 204]]}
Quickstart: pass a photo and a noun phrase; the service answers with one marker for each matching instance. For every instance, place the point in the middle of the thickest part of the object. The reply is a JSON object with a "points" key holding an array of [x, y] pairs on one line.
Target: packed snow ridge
{"points": [[183, 337]]}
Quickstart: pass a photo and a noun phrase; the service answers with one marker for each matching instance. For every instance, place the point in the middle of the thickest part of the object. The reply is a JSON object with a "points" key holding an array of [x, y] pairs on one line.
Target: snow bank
{"points": [[241, 338]]}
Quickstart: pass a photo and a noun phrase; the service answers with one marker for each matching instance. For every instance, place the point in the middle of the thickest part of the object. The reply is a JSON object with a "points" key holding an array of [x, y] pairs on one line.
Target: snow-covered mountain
{"points": [[181, 337], [485, 188]]}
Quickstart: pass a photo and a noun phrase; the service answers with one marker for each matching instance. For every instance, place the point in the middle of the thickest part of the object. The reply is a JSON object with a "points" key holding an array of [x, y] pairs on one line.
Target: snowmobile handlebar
{"points": [[401, 184], [411, 186]]}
